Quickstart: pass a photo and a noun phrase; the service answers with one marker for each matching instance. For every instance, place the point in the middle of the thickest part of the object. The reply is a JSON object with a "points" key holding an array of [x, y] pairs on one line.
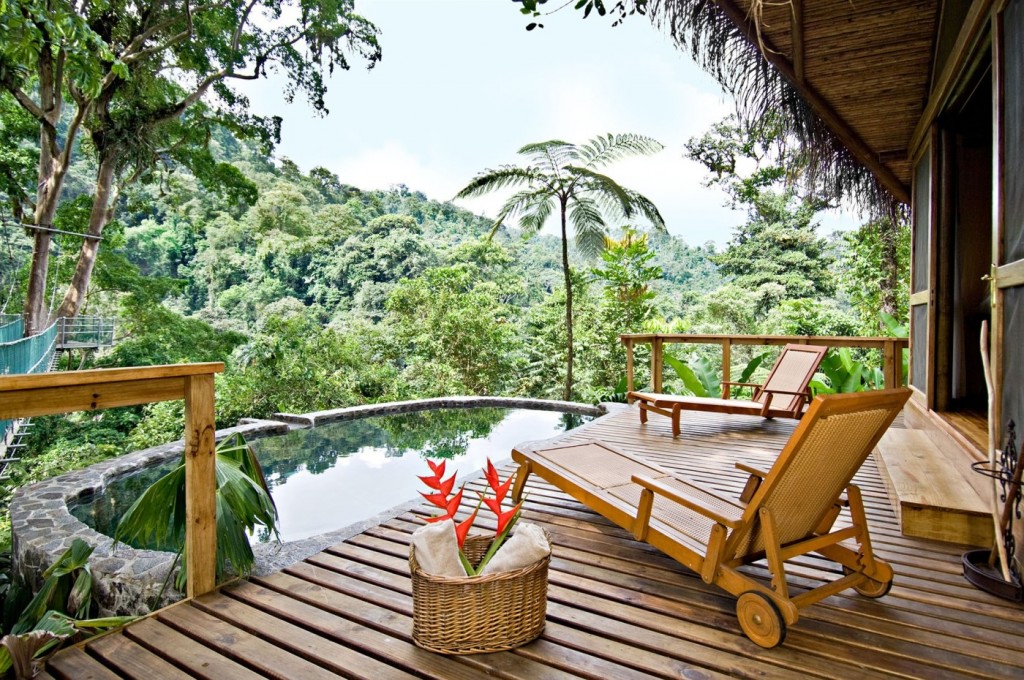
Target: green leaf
{"points": [[894, 327], [688, 376], [853, 382]]}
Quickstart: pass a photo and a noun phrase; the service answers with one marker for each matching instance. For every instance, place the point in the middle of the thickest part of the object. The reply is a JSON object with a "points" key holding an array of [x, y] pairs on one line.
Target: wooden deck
{"points": [[616, 608]]}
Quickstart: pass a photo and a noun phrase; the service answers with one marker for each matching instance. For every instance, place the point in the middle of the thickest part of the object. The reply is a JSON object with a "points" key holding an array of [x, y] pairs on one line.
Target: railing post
{"points": [[900, 347], [629, 367], [726, 366], [200, 485], [889, 362], [656, 363]]}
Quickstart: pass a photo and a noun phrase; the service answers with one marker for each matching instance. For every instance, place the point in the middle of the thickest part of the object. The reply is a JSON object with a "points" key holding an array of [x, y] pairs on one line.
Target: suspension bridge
{"points": [[37, 354]]}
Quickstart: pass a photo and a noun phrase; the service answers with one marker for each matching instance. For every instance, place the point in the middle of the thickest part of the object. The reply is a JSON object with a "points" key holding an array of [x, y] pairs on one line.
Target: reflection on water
{"points": [[331, 476]]}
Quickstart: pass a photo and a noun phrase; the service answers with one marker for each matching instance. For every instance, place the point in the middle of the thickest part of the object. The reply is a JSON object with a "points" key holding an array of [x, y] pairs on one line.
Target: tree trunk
{"points": [[51, 180], [887, 235], [567, 394], [102, 211]]}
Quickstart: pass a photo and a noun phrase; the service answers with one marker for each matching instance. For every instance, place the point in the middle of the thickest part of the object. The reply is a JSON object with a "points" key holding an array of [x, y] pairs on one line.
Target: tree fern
{"points": [[566, 173]]}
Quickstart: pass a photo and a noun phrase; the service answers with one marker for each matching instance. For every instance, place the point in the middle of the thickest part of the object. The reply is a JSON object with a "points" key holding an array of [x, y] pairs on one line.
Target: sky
{"points": [[462, 86]]}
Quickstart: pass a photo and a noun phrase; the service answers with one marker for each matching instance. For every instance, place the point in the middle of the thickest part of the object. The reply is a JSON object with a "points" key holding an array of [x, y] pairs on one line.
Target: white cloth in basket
{"points": [[437, 549], [528, 544]]}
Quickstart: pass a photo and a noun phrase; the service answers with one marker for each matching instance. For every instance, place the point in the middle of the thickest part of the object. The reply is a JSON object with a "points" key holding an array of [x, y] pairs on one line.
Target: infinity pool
{"points": [[333, 475]]}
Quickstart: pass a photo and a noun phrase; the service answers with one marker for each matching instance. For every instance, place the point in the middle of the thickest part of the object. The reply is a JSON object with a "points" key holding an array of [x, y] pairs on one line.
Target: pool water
{"points": [[333, 475]]}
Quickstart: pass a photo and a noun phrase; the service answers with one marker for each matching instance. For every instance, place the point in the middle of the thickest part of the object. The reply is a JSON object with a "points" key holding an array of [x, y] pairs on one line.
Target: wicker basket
{"points": [[479, 614]]}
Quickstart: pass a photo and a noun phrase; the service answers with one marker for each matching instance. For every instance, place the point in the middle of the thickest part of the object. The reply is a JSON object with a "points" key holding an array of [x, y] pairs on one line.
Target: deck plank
{"points": [[199, 660], [75, 664], [133, 661], [616, 607]]}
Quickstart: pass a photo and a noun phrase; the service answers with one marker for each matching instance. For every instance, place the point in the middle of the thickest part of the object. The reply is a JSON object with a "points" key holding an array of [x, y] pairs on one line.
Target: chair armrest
{"points": [[692, 502], [805, 393], [771, 393], [753, 482], [740, 384], [751, 470]]}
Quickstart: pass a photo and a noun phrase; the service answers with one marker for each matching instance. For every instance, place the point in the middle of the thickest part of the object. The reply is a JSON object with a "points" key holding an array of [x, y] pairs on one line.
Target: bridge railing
{"points": [[11, 327], [25, 355], [85, 331]]}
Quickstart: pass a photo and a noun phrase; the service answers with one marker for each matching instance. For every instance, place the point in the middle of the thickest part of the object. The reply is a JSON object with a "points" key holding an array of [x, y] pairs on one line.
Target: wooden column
{"points": [[656, 363], [200, 485], [889, 362], [726, 366], [629, 366]]}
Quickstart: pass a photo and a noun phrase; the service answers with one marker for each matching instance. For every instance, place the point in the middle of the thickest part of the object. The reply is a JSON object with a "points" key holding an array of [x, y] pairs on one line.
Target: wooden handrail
{"points": [[892, 367], [24, 396]]}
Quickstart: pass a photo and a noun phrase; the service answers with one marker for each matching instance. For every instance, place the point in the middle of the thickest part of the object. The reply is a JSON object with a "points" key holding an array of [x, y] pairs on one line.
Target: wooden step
{"points": [[931, 498]]}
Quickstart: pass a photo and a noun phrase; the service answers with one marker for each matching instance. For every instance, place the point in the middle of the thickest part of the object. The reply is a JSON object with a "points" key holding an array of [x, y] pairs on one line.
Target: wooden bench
{"points": [[931, 498]]}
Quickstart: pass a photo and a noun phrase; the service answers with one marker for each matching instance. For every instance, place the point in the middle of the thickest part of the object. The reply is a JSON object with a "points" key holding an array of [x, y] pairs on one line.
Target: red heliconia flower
{"points": [[500, 490], [449, 505], [462, 528], [444, 486], [505, 517], [443, 489]]}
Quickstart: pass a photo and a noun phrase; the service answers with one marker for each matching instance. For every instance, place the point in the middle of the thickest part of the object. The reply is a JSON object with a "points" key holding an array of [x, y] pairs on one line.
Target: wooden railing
{"points": [[892, 364], [25, 396]]}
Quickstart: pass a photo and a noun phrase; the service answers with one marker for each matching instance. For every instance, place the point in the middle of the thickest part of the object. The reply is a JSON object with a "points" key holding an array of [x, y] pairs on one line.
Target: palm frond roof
{"points": [[850, 79]]}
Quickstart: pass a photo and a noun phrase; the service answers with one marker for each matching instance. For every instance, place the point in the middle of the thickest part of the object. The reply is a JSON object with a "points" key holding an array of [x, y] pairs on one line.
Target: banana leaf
{"points": [[690, 380], [748, 371]]}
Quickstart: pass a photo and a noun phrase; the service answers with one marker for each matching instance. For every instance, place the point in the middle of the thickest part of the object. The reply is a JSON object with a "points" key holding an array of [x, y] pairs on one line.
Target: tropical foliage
{"points": [[147, 83], [563, 179], [58, 612], [157, 518]]}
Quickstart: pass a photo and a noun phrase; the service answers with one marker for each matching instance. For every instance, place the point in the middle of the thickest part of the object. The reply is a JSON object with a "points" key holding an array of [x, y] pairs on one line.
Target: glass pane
{"points": [[922, 215], [1013, 361], [1013, 147], [919, 347]]}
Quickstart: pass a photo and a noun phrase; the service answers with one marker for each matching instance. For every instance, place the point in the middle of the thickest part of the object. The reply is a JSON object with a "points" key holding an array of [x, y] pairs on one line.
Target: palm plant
{"points": [[564, 176], [157, 518]]}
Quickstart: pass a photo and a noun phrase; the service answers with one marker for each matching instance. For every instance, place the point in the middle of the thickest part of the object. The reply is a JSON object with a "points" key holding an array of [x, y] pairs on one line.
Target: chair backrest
{"points": [[827, 448], [792, 372]]}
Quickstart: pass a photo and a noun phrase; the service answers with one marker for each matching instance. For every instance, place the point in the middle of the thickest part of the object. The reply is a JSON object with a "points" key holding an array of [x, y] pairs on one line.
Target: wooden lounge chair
{"points": [[784, 513], [782, 395]]}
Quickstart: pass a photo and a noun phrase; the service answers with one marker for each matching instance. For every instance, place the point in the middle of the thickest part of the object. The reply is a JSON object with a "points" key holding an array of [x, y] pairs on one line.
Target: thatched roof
{"points": [[851, 78]]}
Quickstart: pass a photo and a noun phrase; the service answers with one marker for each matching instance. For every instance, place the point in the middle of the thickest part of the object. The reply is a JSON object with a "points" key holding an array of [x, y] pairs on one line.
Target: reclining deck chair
{"points": [[787, 381], [783, 513]]}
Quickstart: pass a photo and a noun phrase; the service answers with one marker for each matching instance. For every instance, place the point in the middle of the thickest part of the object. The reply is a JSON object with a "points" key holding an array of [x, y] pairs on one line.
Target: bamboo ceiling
{"points": [[861, 69]]}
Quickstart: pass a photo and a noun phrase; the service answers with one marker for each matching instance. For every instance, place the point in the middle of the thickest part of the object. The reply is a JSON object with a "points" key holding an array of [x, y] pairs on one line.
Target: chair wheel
{"points": [[760, 619], [870, 587]]}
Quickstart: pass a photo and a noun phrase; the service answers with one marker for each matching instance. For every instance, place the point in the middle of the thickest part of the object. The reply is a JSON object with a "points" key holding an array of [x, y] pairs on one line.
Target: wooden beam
{"points": [[921, 297], [200, 485], [796, 23], [629, 367], [866, 342], [99, 376], [726, 366], [996, 330], [51, 393], [821, 107], [29, 403]]}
